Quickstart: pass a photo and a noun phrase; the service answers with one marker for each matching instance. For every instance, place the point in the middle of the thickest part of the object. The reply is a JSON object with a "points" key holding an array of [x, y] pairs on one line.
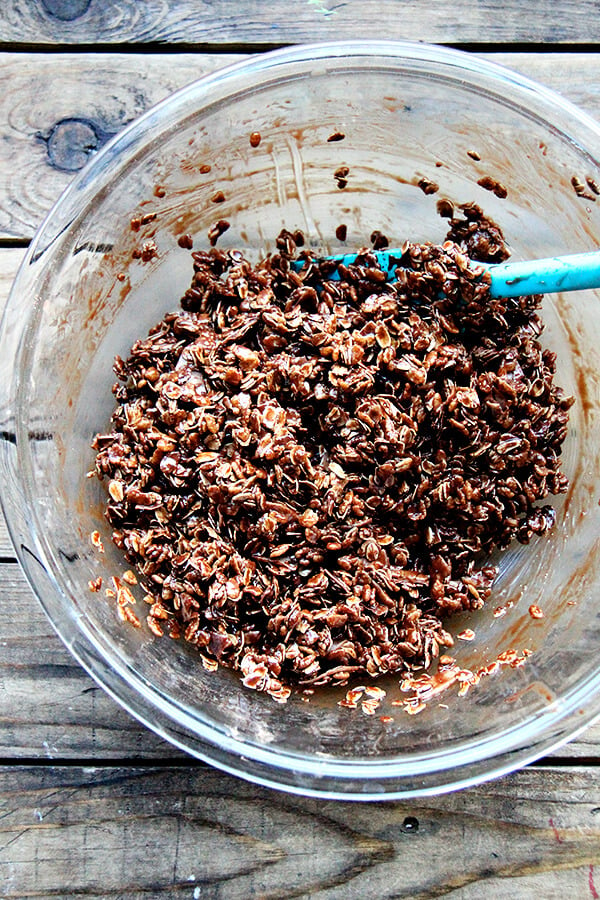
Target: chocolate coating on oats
{"points": [[445, 208], [379, 240], [490, 184], [147, 252], [186, 241], [314, 472], [341, 176], [215, 231], [428, 186]]}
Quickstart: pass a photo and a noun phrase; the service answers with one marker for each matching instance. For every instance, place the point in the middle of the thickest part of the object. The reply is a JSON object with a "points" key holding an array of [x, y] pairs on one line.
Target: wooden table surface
{"points": [[93, 804]]}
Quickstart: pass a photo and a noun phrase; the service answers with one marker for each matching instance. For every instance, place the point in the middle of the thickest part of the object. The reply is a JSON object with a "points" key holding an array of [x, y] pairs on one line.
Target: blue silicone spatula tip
{"points": [[575, 272]]}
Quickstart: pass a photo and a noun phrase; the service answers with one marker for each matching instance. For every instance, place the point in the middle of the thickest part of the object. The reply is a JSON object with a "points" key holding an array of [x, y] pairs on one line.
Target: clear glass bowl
{"points": [[408, 111]]}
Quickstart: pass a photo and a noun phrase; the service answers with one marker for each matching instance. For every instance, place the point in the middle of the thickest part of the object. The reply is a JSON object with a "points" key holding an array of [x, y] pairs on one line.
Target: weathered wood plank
{"points": [[222, 22], [79, 719], [537, 886], [49, 134], [182, 832], [49, 707], [10, 259]]}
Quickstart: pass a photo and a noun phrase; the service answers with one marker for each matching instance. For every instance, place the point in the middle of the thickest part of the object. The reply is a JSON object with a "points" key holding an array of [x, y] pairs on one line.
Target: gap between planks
{"points": [[51, 708], [77, 81], [95, 96]]}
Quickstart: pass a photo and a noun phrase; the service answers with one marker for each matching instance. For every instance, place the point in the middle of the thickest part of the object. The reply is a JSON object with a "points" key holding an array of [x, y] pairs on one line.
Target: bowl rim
{"points": [[321, 777]]}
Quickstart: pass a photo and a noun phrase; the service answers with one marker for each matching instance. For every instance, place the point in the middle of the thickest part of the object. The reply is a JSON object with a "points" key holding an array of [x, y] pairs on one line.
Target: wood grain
{"points": [[6, 548], [204, 22], [197, 833], [47, 135], [188, 831], [10, 259], [49, 707]]}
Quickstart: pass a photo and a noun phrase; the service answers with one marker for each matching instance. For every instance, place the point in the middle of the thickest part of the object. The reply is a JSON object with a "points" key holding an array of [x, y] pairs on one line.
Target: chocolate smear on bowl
{"points": [[313, 473]]}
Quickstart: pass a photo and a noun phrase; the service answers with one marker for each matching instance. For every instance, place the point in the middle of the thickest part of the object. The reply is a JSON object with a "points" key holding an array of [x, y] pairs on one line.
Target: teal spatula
{"points": [[576, 272]]}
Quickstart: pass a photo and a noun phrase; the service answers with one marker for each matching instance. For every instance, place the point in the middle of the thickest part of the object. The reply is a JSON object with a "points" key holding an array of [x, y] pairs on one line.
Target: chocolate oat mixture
{"points": [[309, 475]]}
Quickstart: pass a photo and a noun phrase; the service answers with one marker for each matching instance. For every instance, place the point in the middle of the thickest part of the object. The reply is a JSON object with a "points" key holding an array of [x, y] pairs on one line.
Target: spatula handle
{"points": [[577, 272]]}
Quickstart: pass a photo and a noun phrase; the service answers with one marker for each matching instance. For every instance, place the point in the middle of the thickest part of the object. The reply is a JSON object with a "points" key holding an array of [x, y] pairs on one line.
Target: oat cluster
{"points": [[309, 475]]}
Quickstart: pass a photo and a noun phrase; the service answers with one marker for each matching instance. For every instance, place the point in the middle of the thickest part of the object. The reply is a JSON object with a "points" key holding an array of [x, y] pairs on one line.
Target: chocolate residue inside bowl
{"points": [[309, 475]]}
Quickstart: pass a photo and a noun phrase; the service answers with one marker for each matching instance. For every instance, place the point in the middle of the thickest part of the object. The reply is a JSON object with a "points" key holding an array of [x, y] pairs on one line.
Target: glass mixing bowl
{"points": [[408, 112]]}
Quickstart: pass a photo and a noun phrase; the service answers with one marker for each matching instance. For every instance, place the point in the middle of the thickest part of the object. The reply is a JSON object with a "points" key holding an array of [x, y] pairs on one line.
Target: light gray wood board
{"points": [[10, 259], [49, 707], [279, 22], [576, 75], [108, 90], [197, 833], [56, 108]]}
